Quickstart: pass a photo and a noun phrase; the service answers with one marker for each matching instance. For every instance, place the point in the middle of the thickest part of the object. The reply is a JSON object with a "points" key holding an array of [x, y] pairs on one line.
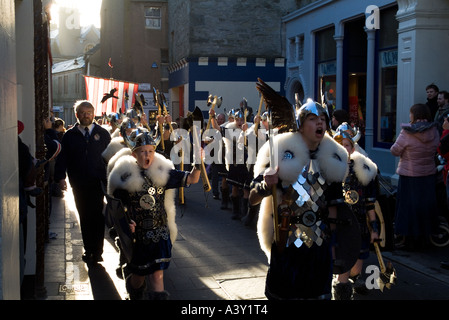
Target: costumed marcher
{"points": [[220, 167], [359, 189], [255, 138], [145, 183], [236, 155], [305, 168]]}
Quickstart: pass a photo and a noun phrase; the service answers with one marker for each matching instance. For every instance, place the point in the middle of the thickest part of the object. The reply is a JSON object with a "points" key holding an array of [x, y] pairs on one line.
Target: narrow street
{"points": [[214, 258]]}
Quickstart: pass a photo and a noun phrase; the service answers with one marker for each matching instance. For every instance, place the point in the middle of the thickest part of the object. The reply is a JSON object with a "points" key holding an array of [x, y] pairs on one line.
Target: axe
{"points": [[387, 275], [387, 272], [197, 115]]}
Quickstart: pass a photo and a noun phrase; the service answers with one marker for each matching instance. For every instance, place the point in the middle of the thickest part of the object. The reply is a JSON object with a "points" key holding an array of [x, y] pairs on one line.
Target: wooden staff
{"points": [[256, 128], [181, 190]]}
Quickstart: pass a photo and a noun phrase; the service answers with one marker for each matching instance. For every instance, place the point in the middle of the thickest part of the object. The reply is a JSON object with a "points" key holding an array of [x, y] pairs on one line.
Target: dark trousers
{"points": [[89, 203]]}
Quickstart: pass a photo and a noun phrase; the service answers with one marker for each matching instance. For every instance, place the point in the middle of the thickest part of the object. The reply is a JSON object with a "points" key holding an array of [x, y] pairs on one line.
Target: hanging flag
{"points": [[97, 88]]}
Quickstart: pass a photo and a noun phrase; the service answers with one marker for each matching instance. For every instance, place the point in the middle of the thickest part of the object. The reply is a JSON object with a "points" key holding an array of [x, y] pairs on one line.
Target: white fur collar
{"points": [[113, 147], [331, 156], [126, 173], [365, 169]]}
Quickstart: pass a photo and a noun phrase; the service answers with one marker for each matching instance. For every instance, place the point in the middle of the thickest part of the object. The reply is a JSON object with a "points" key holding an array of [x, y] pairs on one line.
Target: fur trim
{"points": [[231, 144], [265, 229], [332, 159], [365, 169], [116, 133], [115, 157], [126, 175], [113, 147]]}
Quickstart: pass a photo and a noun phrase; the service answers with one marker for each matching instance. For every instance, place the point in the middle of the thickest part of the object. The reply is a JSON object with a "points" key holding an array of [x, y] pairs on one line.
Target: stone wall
{"points": [[228, 28]]}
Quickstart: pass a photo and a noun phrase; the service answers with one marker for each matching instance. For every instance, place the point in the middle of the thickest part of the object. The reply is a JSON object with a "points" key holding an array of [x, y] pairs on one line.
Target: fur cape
{"points": [[332, 159], [113, 147], [126, 175], [364, 168]]}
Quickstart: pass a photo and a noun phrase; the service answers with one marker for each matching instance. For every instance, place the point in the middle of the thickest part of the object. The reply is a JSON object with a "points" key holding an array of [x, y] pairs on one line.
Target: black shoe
{"points": [[90, 258], [86, 257]]}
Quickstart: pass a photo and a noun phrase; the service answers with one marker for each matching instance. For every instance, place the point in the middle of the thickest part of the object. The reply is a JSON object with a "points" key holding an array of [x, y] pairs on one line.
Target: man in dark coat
{"points": [[81, 159]]}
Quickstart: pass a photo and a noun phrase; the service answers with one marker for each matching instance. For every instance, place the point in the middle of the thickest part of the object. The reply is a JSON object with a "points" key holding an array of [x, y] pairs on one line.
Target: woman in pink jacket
{"points": [[416, 204]]}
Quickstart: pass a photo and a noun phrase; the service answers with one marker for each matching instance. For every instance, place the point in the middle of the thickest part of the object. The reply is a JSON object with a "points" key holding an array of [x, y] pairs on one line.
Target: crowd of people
{"points": [[300, 198]]}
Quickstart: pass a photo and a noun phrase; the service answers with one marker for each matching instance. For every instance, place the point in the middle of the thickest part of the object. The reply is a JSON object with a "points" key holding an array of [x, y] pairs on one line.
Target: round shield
{"points": [[348, 240]]}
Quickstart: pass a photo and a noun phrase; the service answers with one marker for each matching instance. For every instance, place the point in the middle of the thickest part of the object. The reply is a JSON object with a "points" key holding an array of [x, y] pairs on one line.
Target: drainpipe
{"points": [[41, 86]]}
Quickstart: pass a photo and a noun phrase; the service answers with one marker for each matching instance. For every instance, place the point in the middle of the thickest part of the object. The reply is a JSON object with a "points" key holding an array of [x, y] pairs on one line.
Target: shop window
{"points": [[326, 55], [385, 129]]}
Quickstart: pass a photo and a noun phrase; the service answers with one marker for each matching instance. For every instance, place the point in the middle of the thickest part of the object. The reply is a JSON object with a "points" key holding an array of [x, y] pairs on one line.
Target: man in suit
{"points": [[81, 160]]}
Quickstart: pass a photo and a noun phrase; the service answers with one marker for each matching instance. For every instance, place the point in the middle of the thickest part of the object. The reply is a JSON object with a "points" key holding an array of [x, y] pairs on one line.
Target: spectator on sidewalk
{"points": [[80, 159], [443, 109], [416, 206], [432, 97]]}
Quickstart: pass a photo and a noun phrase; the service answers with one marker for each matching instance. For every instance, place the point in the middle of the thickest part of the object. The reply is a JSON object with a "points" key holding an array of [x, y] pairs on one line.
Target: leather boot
{"points": [[158, 295], [252, 211], [134, 294], [235, 208], [342, 290], [224, 198]]}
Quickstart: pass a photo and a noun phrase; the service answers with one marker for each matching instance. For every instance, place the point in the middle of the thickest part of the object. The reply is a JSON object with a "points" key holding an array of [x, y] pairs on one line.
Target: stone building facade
{"points": [[221, 48]]}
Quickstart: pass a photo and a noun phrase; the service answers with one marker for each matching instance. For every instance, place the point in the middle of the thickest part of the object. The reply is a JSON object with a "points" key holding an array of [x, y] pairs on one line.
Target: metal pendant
{"points": [[147, 201], [351, 197], [151, 191]]}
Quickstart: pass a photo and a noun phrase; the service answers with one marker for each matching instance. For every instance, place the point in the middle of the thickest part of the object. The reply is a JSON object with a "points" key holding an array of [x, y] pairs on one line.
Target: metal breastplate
{"points": [[307, 205], [149, 212]]}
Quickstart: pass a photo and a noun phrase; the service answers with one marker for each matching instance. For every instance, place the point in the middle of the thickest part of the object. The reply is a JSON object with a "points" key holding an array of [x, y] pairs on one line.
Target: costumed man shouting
{"points": [[145, 182], [307, 180]]}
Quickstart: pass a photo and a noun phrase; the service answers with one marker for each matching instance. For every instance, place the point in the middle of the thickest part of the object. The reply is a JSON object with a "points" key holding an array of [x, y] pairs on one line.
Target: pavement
{"points": [[213, 258]]}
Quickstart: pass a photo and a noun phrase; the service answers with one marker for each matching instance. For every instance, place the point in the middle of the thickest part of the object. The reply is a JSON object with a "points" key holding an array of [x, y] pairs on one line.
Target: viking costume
{"points": [[359, 190], [309, 182], [148, 197], [235, 158]]}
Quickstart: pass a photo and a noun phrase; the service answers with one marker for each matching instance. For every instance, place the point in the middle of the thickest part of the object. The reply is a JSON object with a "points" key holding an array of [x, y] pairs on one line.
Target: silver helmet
{"points": [[346, 131], [145, 138], [311, 107]]}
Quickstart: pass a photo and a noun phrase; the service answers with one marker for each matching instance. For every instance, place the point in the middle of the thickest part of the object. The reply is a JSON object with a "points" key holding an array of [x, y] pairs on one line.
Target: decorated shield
{"points": [[117, 216]]}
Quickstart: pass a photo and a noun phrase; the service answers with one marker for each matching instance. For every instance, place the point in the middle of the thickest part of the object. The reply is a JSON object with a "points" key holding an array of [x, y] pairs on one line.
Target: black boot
{"points": [[235, 208], [252, 211], [158, 295], [244, 209], [342, 290], [134, 294], [224, 198]]}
